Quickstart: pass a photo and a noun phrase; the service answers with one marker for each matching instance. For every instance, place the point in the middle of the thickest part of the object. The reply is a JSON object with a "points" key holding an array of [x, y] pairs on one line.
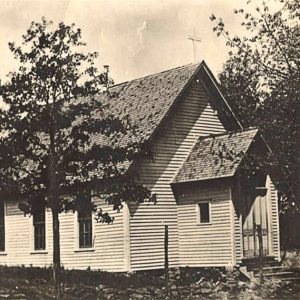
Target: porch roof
{"points": [[216, 156]]}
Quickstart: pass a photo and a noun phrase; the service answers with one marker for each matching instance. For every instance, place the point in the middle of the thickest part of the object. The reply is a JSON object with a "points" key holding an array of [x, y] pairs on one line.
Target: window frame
{"points": [[39, 223], [91, 232], [76, 235], [198, 212]]}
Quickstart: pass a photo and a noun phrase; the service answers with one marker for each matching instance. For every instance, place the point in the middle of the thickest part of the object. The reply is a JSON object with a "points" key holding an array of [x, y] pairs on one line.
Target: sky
{"points": [[134, 37]]}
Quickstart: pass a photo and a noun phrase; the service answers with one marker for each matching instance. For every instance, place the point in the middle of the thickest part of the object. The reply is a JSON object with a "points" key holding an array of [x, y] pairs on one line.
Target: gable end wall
{"points": [[193, 117]]}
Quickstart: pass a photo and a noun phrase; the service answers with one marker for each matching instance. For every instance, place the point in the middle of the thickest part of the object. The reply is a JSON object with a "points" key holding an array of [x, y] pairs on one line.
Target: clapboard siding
{"points": [[237, 219], [274, 218], [192, 118], [202, 245], [108, 252], [12, 209], [19, 239], [238, 237]]}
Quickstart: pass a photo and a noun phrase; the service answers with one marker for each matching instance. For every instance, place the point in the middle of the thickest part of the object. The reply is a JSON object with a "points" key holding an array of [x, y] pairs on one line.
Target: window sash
{"points": [[39, 217], [204, 212], [39, 237], [85, 231], [39, 224]]}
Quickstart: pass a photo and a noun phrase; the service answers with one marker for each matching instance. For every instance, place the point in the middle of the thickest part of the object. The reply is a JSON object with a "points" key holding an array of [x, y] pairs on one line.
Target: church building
{"points": [[213, 208]]}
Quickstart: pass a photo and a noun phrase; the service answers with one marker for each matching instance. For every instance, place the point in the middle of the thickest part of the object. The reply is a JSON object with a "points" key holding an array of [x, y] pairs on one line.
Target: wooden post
{"points": [[260, 247], [56, 255], [126, 228], [167, 258]]}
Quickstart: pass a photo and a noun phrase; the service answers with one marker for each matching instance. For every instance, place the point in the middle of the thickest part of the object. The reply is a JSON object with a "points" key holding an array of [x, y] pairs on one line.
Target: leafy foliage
{"points": [[261, 79], [55, 123], [59, 139]]}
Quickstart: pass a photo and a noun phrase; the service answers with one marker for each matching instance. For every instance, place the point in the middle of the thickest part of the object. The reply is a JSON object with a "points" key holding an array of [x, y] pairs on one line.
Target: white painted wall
{"points": [[192, 118], [205, 245], [107, 253]]}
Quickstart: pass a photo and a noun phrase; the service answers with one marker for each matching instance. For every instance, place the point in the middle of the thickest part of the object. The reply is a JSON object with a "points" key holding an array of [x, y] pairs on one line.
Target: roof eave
{"points": [[234, 171], [216, 86], [204, 179]]}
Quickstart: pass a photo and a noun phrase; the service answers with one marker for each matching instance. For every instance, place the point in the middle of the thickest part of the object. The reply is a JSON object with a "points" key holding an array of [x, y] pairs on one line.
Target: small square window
{"points": [[203, 212]]}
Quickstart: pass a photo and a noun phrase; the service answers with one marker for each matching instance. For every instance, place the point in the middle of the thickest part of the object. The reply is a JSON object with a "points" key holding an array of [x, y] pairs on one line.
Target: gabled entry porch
{"points": [[258, 199], [255, 218]]}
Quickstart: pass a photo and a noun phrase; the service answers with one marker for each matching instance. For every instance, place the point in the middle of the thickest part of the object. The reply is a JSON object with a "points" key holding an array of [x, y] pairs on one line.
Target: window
{"points": [[39, 230], [203, 212], [2, 226], [85, 229]]}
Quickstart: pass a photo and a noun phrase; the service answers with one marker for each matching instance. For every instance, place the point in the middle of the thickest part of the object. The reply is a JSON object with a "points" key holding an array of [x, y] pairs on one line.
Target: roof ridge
{"points": [[153, 74]]}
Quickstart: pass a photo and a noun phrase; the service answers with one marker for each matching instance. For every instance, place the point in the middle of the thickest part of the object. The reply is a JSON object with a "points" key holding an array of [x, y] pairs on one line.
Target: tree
{"points": [[261, 80], [59, 139]]}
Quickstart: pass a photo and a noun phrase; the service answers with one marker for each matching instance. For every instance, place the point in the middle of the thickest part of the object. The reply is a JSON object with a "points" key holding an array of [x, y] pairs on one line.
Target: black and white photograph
{"points": [[149, 149]]}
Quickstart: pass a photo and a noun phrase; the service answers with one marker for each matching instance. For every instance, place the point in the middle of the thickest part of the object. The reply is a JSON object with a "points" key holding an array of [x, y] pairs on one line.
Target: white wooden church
{"points": [[201, 196]]}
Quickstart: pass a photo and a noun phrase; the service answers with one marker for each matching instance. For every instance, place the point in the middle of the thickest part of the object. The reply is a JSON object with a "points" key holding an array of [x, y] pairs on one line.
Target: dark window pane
{"points": [[39, 230], [85, 229], [2, 227], [2, 239], [39, 217], [204, 212]]}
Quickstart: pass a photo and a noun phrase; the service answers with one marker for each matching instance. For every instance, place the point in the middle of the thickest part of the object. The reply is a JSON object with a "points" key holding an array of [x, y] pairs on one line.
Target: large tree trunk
{"points": [[56, 254]]}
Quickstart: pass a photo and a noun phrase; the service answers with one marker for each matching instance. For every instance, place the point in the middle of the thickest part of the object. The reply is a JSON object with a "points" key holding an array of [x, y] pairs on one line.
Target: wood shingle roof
{"points": [[148, 100], [216, 156]]}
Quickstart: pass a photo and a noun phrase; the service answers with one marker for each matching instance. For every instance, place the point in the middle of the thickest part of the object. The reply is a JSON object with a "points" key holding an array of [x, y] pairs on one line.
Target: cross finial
{"points": [[195, 39]]}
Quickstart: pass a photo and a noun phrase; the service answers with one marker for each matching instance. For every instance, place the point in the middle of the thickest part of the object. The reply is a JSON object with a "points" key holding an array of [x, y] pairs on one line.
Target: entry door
{"points": [[255, 213]]}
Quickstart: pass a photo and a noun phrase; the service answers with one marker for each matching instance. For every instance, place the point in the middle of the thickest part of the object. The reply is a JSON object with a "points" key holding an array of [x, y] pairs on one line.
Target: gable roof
{"points": [[148, 100], [216, 156]]}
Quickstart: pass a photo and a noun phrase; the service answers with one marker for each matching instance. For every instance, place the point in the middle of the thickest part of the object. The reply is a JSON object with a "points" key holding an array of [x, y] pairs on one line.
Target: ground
{"points": [[185, 283]]}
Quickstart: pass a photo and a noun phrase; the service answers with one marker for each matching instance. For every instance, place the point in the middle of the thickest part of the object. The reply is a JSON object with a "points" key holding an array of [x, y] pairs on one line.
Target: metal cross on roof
{"points": [[195, 39]]}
